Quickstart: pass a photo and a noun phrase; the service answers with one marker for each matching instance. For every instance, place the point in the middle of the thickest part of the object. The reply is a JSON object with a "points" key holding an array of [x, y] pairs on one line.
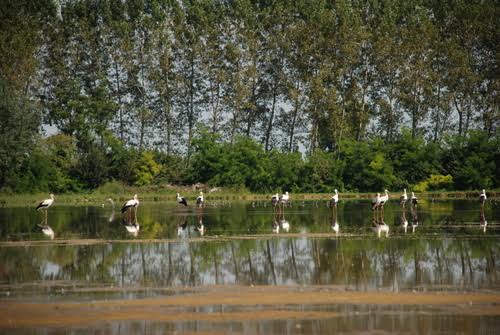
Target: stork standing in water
{"points": [[45, 204], [132, 204], [285, 198], [414, 199], [403, 198], [181, 200], [384, 199], [200, 200], [376, 202], [482, 197], [335, 199], [275, 199]]}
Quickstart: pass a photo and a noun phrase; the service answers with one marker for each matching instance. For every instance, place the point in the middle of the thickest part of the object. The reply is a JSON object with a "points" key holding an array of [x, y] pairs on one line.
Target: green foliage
{"points": [[376, 94], [207, 158], [473, 162], [321, 173], [92, 167], [145, 169], [112, 187], [435, 183], [244, 164], [284, 171]]}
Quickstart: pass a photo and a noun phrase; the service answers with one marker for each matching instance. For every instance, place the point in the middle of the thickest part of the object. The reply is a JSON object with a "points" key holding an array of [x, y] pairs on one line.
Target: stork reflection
{"points": [[378, 224], [279, 223], [285, 225], [112, 215], [200, 228], [182, 227], [131, 226], [414, 216], [47, 230], [334, 222], [482, 218], [403, 220]]}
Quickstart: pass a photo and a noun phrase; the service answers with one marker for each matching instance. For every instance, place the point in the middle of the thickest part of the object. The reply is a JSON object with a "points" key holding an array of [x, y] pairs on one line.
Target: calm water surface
{"points": [[444, 246]]}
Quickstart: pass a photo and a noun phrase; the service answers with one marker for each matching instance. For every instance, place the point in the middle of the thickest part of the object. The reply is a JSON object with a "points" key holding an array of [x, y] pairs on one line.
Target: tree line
{"points": [[304, 95]]}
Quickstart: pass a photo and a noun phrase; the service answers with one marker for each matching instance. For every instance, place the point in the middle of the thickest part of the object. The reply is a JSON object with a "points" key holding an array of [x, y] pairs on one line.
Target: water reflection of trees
{"points": [[360, 264]]}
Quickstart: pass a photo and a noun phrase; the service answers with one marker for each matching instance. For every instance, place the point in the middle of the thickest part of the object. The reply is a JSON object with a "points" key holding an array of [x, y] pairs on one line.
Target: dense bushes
{"points": [[58, 165]]}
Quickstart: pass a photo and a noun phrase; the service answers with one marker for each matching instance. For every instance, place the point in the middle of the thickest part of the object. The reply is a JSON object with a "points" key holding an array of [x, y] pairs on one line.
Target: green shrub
{"points": [[434, 183]]}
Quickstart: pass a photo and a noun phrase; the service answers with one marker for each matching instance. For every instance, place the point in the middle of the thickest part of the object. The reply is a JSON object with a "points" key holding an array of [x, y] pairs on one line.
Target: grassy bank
{"points": [[121, 193]]}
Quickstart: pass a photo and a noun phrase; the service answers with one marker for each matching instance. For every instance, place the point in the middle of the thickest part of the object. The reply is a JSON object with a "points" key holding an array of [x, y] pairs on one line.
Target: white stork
{"points": [[274, 199], [335, 199], [376, 202], [482, 197], [403, 198], [285, 198], [46, 203], [181, 200], [200, 200], [384, 199], [414, 199], [132, 203]]}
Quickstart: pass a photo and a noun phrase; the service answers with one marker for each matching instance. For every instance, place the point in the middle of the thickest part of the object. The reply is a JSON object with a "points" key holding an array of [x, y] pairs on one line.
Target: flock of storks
{"points": [[279, 203]]}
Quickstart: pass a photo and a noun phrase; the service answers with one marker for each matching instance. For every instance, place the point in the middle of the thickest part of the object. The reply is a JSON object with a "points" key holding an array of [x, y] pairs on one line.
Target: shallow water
{"points": [[163, 220], [169, 250]]}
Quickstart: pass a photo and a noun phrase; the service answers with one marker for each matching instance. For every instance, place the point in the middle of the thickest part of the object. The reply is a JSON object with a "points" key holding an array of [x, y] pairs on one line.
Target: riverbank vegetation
{"points": [[263, 96]]}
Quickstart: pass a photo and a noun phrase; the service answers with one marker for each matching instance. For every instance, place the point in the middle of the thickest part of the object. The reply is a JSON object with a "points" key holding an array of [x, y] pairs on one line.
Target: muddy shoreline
{"points": [[259, 303]]}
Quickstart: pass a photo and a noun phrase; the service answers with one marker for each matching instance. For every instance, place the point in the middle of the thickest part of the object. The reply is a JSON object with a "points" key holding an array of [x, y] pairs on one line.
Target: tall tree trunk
{"points": [[295, 114], [190, 109], [415, 111], [438, 114], [271, 118], [270, 260], [460, 116]]}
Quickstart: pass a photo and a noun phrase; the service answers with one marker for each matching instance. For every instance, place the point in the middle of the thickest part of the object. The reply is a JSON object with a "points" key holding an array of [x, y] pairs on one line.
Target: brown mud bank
{"points": [[235, 303]]}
